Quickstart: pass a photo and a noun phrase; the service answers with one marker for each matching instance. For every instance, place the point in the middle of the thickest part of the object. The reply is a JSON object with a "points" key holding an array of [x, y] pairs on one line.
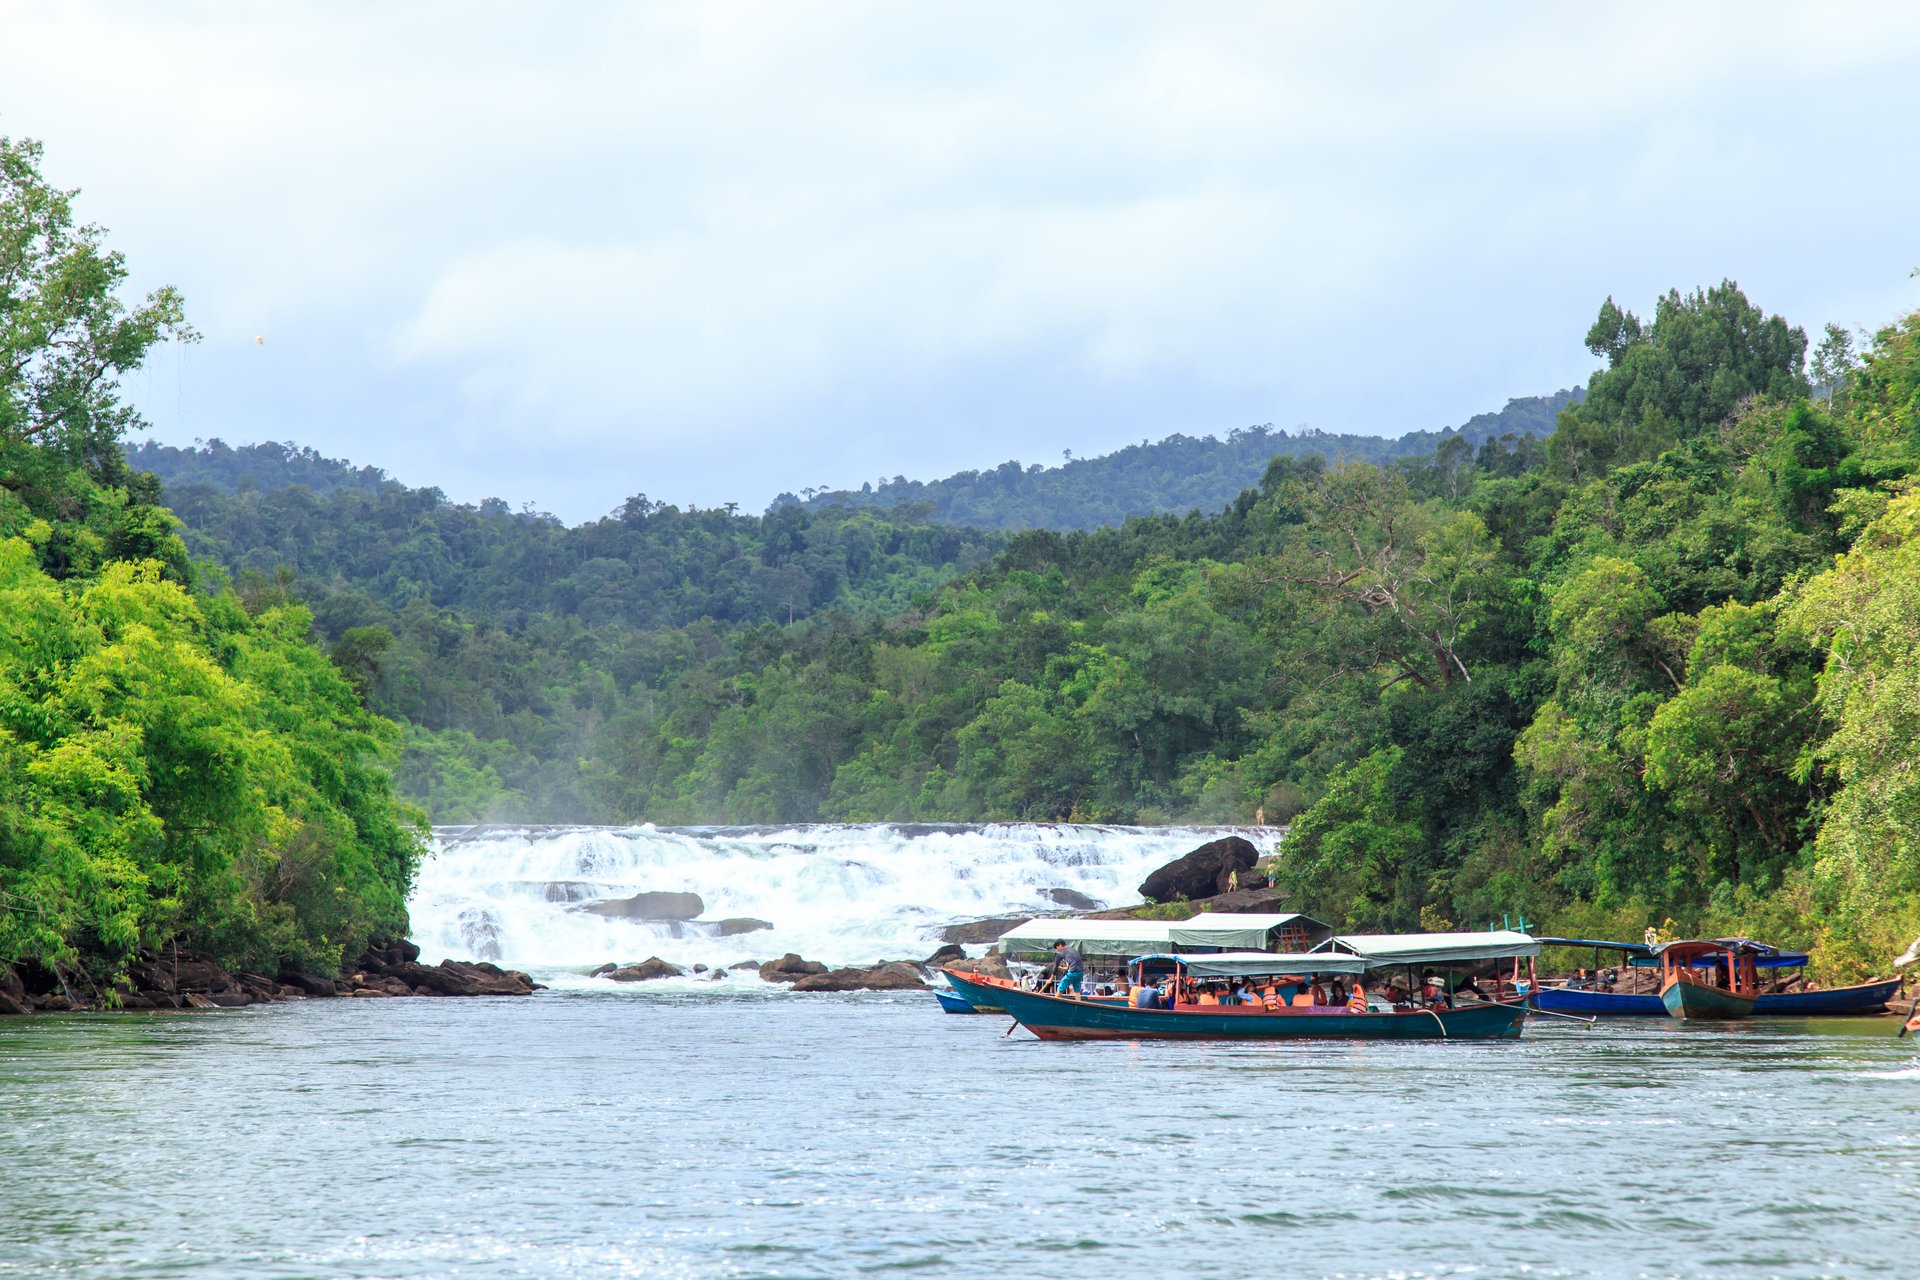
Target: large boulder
{"points": [[733, 925], [981, 930], [649, 906], [790, 968], [1072, 899], [896, 975], [945, 955], [646, 971], [1202, 873]]}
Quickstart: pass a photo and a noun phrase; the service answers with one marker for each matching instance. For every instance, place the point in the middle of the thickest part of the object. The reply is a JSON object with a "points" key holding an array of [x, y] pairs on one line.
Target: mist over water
{"points": [[837, 893]]}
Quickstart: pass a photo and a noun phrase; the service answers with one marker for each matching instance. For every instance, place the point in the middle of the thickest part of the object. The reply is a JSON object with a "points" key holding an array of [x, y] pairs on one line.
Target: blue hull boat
{"points": [[1058, 1018], [953, 1002], [1867, 997]]}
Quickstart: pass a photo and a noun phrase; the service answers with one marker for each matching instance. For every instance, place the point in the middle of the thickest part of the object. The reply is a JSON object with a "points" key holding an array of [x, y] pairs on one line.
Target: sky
{"points": [[561, 255]]}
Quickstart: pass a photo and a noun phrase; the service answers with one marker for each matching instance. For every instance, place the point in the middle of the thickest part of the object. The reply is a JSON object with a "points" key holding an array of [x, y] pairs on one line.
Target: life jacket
{"points": [[1357, 1001]]}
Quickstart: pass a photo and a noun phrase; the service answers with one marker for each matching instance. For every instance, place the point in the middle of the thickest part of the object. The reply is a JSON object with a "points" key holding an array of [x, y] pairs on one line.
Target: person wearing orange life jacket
{"points": [[1357, 999]]}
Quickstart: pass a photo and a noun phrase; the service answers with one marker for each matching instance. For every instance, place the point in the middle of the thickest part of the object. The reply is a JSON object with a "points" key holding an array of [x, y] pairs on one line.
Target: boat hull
{"points": [[950, 1002], [1055, 1018], [1866, 997], [1696, 1002]]}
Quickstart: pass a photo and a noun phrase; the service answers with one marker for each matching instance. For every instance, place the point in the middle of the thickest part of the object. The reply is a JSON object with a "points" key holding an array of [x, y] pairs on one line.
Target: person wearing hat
{"points": [[1070, 968]]}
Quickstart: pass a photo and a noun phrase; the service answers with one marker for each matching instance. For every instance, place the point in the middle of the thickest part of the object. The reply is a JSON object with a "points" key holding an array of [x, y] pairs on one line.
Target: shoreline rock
{"points": [[177, 978]]}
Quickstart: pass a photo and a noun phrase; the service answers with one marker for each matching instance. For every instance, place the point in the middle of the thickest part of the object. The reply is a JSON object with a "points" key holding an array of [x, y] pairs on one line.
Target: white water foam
{"points": [[840, 894]]}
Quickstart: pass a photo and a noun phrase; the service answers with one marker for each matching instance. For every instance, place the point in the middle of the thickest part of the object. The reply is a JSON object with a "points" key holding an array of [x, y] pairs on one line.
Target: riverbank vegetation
{"points": [[175, 766], [1657, 665]]}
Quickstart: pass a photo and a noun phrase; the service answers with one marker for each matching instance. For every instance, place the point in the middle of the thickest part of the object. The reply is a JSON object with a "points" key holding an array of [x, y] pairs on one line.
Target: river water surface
{"points": [[675, 1132]]}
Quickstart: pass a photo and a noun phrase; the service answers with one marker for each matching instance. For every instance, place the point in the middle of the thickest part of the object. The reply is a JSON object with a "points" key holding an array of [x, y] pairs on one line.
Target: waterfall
{"points": [[841, 894]]}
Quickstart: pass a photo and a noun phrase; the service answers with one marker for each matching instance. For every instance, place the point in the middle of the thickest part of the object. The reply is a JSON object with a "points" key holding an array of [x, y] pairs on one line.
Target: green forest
{"points": [[176, 764], [1649, 654]]}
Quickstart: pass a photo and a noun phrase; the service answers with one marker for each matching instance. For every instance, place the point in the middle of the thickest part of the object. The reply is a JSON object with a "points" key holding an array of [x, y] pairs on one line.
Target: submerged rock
{"points": [[1073, 899], [646, 971], [790, 968], [894, 975], [649, 906], [733, 925]]}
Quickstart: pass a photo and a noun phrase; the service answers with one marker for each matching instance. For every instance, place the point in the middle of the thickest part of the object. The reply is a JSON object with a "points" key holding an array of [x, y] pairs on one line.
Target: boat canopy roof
{"points": [[1090, 937], [1383, 949], [1767, 956], [1253, 964], [1248, 931], [1598, 944], [1693, 948]]}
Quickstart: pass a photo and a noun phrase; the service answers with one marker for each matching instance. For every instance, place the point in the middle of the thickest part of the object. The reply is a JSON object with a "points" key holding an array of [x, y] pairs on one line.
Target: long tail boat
{"points": [[1194, 1014], [1722, 992], [1590, 996]]}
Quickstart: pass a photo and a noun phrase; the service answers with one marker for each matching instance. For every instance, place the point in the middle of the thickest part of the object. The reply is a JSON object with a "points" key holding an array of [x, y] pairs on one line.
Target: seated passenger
{"points": [[1357, 1002]]}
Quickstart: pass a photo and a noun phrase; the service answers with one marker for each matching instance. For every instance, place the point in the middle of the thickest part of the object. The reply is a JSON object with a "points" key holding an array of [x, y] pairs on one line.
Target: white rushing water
{"points": [[841, 894]]}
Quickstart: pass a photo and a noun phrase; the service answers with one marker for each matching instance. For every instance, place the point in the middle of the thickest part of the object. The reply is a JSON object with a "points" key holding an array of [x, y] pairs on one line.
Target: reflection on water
{"points": [[670, 1134]]}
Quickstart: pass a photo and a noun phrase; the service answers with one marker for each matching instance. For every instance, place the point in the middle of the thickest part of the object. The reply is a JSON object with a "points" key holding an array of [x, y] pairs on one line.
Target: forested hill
{"points": [[1176, 475]]}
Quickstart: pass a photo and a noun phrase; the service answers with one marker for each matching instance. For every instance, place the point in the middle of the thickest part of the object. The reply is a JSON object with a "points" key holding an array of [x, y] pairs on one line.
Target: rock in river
{"points": [[790, 968], [649, 906], [896, 975], [646, 971]]}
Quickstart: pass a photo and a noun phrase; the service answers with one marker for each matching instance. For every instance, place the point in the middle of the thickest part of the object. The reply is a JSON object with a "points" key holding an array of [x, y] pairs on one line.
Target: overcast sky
{"points": [[564, 254]]}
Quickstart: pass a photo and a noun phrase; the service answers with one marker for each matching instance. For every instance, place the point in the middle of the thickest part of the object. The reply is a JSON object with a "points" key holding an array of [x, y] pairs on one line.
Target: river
{"points": [[735, 1129]]}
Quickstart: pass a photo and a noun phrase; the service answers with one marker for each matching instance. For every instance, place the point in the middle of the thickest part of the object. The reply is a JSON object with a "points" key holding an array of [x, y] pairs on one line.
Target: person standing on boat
{"points": [[1070, 968]]}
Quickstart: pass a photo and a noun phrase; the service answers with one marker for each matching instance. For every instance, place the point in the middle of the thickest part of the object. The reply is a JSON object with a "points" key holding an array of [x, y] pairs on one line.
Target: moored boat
{"points": [[1195, 1013], [1724, 990], [1631, 989], [953, 1002]]}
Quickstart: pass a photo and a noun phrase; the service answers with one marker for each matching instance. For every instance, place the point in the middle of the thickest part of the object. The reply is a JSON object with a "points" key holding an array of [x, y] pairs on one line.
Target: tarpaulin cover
{"points": [[1232, 929]]}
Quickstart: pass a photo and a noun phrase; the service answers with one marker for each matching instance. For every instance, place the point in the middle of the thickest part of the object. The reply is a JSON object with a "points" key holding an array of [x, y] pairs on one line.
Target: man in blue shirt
{"points": [[1071, 968]]}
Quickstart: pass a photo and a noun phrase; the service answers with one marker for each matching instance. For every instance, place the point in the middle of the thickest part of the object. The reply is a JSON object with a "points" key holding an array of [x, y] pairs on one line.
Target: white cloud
{"points": [[713, 251]]}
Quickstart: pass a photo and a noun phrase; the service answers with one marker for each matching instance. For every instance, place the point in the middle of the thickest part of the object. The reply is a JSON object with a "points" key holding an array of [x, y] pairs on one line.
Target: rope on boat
{"points": [[1442, 1021]]}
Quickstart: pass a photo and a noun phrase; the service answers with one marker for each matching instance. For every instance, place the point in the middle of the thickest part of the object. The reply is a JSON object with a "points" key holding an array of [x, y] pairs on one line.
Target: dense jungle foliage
{"points": [[174, 765], [1658, 668]]}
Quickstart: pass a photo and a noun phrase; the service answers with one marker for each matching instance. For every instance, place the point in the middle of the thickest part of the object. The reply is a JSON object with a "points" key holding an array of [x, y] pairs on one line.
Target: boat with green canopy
{"points": [[1245, 995]]}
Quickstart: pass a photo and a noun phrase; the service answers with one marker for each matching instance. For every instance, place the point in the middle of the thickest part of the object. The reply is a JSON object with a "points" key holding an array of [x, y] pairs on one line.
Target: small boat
{"points": [[1724, 991], [1198, 1011], [953, 1002], [1600, 994]]}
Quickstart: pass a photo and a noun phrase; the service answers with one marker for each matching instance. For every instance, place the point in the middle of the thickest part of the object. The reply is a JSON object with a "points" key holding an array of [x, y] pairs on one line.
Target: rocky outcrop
{"points": [[978, 931], [740, 924], [991, 965], [790, 968], [649, 906], [648, 970], [896, 975], [945, 955], [177, 978], [1203, 873], [1073, 899], [1263, 899]]}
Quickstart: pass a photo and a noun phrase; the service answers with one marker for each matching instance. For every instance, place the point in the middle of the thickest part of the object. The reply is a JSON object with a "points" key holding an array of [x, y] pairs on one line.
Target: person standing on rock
{"points": [[1072, 970]]}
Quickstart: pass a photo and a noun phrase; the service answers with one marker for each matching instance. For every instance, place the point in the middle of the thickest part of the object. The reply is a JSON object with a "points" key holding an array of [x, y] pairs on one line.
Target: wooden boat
{"points": [[1723, 992], [1604, 999], [1065, 1018], [953, 1002]]}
